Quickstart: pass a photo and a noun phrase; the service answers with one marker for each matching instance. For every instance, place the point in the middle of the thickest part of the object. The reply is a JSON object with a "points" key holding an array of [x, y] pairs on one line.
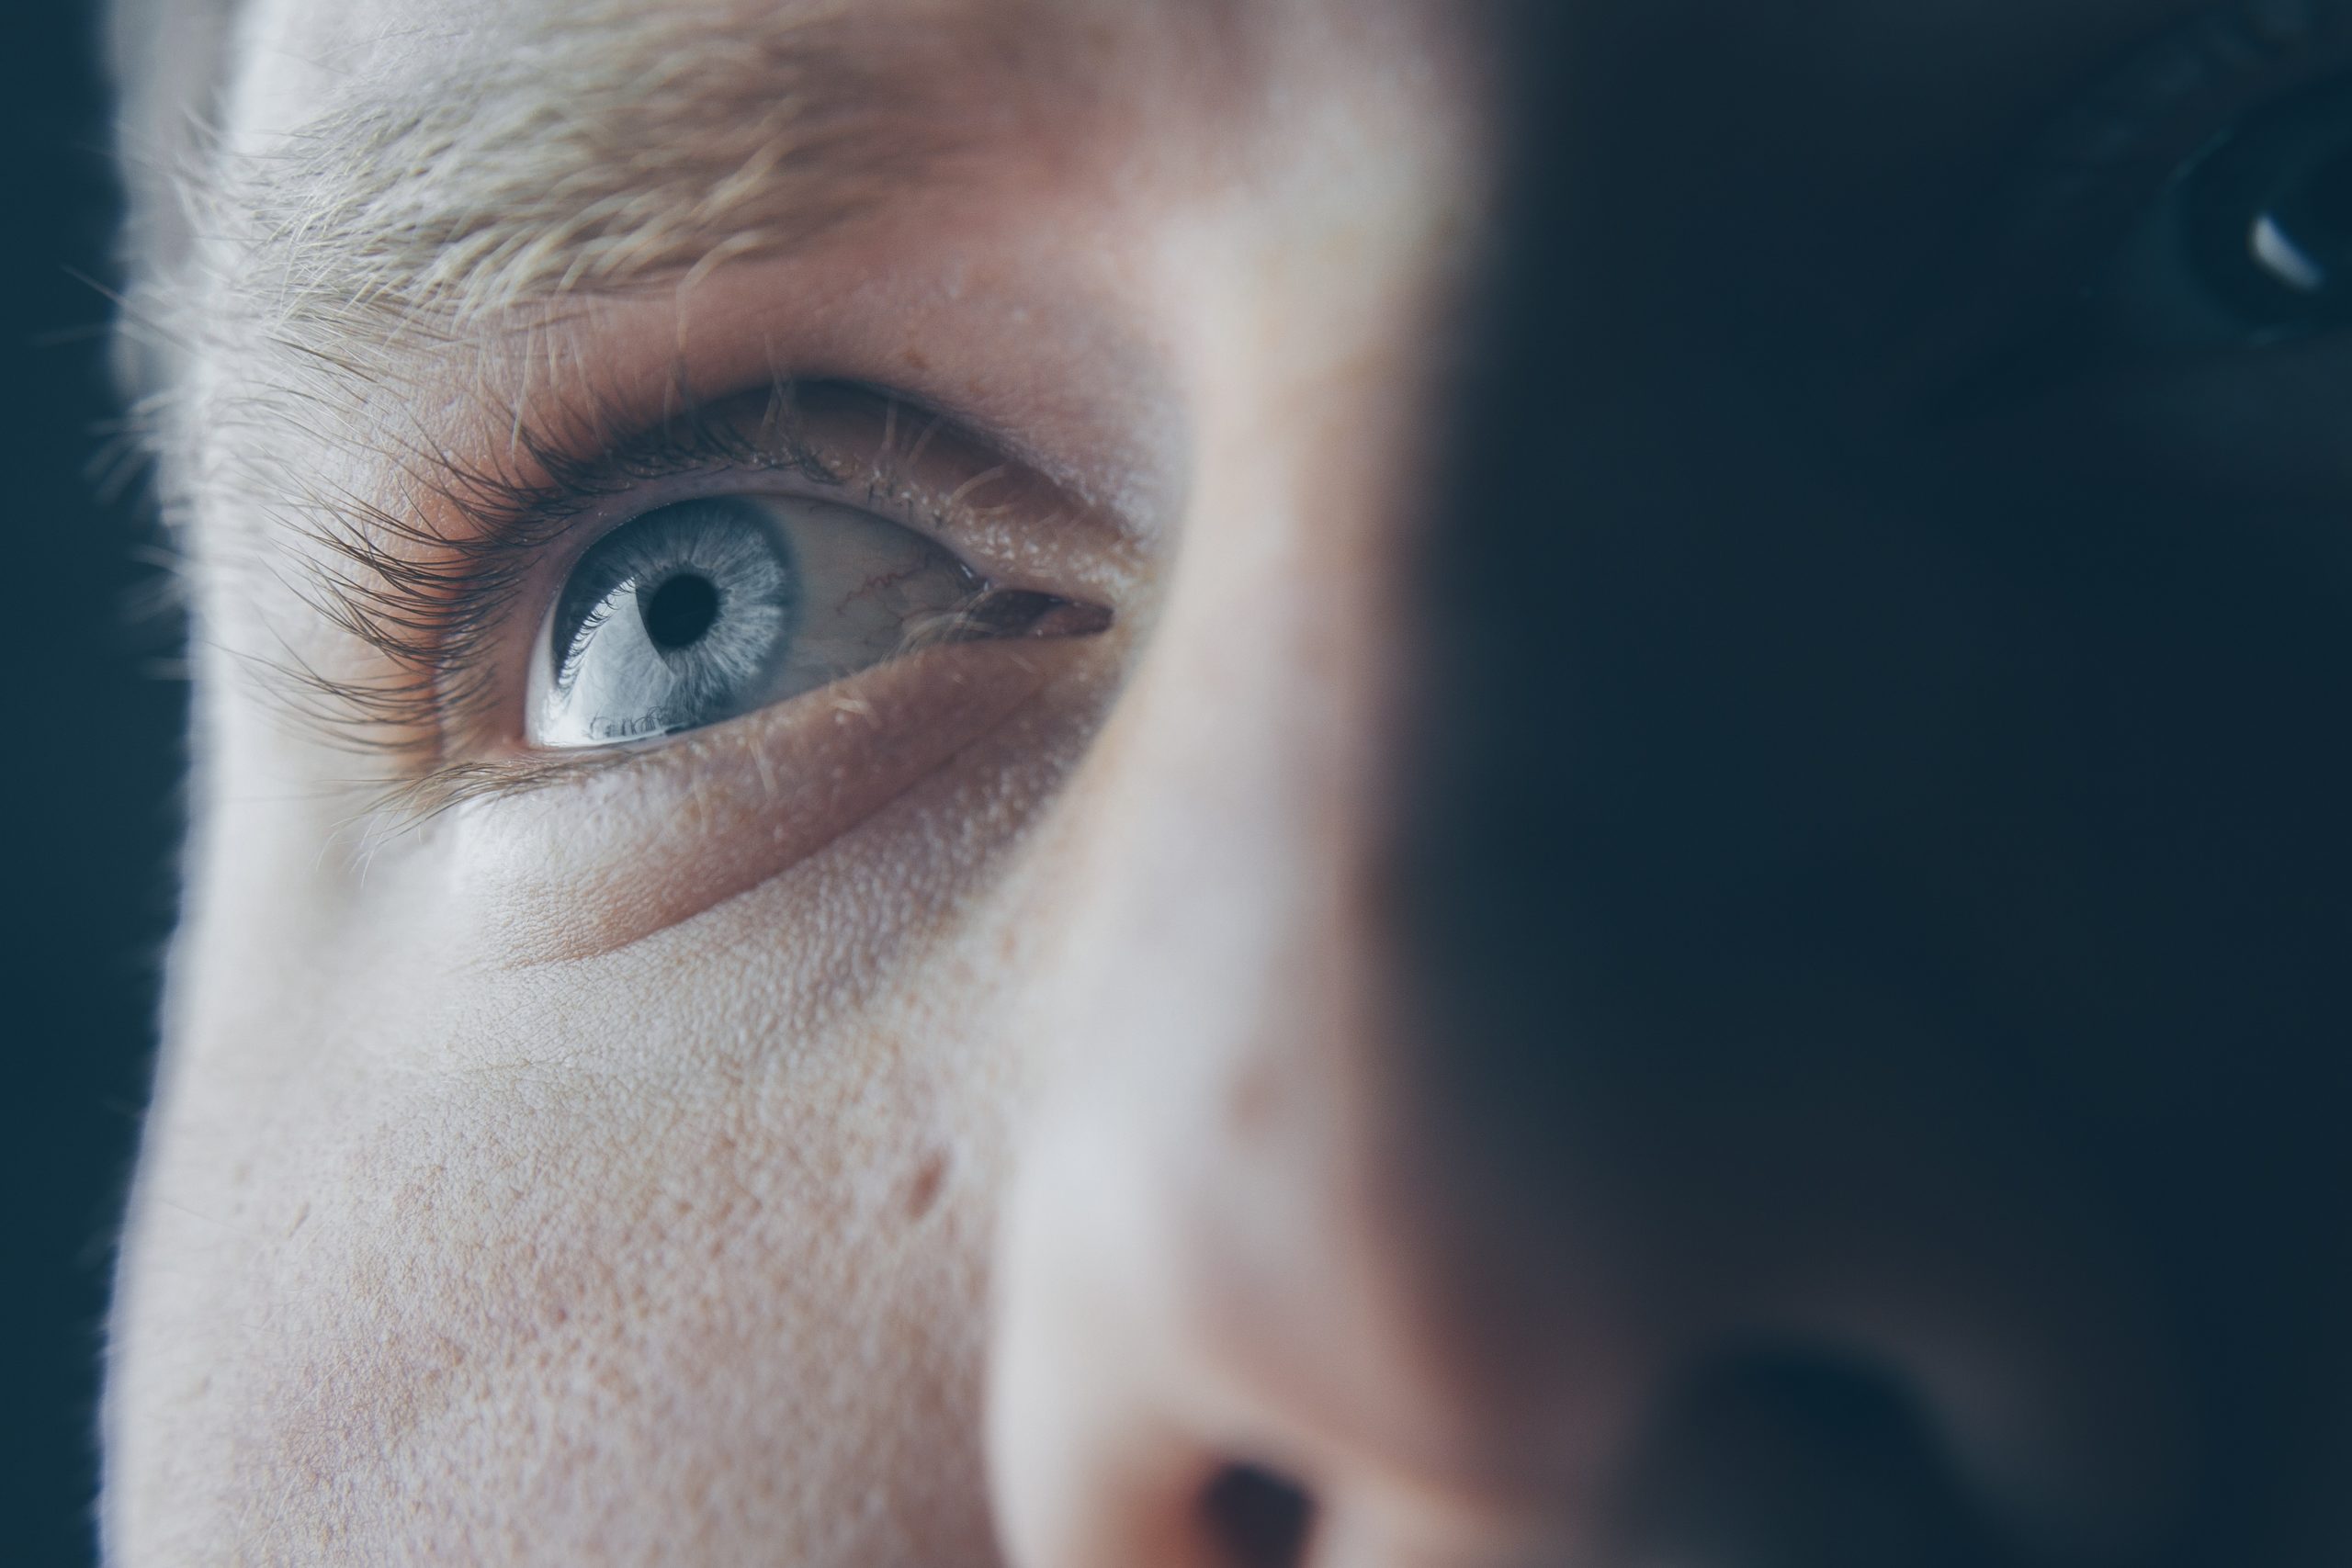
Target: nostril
{"points": [[1793, 1458], [1257, 1519]]}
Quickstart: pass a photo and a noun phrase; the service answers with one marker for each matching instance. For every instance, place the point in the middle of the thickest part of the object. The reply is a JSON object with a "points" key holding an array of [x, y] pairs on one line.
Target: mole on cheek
{"points": [[924, 1186]]}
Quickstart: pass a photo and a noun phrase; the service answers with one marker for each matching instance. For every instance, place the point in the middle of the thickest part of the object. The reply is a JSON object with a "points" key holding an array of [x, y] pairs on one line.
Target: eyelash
{"points": [[433, 604]]}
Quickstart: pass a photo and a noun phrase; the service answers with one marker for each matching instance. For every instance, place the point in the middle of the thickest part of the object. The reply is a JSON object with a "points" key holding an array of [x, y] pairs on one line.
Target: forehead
{"points": [[727, 73], [300, 59], [400, 152]]}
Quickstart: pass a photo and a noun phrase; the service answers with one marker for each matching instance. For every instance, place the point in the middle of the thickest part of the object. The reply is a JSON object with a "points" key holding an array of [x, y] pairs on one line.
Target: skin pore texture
{"points": [[1583, 928]]}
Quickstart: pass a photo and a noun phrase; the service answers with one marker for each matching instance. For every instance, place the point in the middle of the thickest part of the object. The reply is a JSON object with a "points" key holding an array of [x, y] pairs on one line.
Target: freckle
{"points": [[929, 1180], [916, 360]]}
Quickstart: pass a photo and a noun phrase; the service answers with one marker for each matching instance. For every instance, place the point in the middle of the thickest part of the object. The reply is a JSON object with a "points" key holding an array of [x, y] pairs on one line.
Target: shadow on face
{"points": [[1849, 1075]]}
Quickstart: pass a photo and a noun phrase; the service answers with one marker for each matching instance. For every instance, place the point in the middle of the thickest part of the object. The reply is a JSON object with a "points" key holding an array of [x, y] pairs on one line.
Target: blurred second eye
{"points": [[2251, 242], [707, 609]]}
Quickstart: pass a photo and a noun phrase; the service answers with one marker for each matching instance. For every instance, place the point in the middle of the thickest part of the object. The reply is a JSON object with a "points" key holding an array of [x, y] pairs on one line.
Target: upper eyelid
{"points": [[557, 524], [519, 517]]}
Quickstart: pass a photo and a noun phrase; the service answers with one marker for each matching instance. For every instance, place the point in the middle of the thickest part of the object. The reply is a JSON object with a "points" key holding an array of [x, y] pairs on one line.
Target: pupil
{"points": [[680, 611]]}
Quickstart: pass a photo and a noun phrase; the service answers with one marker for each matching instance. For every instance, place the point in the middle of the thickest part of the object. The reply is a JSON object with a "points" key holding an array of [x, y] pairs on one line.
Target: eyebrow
{"points": [[607, 145]]}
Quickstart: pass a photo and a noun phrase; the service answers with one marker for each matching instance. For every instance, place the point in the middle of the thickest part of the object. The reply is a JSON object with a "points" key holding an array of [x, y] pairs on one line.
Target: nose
{"points": [[1472, 1123], [1288, 1278], [1333, 1245], [1334, 1242], [1232, 1301], [1235, 1311]]}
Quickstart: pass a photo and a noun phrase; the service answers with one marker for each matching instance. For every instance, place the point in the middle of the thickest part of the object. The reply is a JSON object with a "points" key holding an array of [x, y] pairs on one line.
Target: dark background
{"points": [[88, 804]]}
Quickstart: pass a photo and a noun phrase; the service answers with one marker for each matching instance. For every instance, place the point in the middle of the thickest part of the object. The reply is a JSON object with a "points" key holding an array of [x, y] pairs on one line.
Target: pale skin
{"points": [[960, 1111]]}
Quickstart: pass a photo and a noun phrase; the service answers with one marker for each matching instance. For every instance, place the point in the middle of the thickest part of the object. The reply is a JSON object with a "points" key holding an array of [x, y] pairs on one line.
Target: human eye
{"points": [[675, 660], [2159, 301], [701, 610], [2250, 240], [647, 583]]}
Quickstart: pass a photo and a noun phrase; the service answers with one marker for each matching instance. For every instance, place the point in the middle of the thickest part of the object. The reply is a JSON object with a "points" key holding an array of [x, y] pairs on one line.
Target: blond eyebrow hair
{"points": [[611, 143]]}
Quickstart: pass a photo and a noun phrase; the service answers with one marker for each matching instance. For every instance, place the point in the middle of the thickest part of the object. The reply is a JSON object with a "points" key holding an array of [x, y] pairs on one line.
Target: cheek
{"points": [[699, 821], [714, 1293]]}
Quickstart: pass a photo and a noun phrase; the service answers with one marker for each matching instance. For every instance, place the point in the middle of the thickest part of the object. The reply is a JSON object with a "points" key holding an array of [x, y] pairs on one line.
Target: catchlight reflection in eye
{"points": [[2251, 240], [707, 609]]}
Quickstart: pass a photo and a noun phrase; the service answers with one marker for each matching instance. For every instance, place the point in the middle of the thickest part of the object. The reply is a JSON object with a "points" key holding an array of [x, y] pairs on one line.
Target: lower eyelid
{"points": [[580, 869]]}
